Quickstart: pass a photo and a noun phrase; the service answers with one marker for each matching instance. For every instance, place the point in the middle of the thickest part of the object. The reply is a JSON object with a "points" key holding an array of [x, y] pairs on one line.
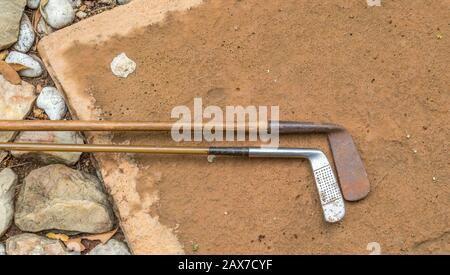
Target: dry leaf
{"points": [[76, 244], [42, 5], [36, 17], [9, 73], [3, 54], [56, 236], [18, 67]]}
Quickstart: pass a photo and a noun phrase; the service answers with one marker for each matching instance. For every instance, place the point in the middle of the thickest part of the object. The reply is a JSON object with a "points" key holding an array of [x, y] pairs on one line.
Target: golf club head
{"points": [[327, 186], [349, 166]]}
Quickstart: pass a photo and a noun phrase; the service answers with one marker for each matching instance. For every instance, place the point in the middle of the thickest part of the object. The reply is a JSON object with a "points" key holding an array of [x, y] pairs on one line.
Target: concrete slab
{"points": [[335, 61]]}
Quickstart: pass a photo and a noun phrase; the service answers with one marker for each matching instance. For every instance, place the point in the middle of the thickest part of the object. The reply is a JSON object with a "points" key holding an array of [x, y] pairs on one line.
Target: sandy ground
{"points": [[381, 72]]}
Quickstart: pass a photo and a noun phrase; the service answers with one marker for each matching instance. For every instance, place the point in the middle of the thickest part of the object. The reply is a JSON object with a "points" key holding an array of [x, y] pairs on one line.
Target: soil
{"points": [[381, 72]]}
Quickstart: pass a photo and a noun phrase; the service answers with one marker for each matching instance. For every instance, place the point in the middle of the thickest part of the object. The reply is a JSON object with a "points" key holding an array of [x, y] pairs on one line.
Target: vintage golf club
{"points": [[352, 175], [327, 186]]}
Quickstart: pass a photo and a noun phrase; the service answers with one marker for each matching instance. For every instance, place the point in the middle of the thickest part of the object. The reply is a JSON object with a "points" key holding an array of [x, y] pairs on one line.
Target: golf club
{"points": [[327, 186], [352, 175]]}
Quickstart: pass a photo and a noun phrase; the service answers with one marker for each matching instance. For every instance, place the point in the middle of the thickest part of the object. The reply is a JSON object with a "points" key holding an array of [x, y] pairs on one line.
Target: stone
{"points": [[33, 4], [26, 35], [52, 102], [8, 181], [66, 137], [16, 102], [32, 244], [122, 66], [10, 16], [112, 247], [374, 3], [122, 2], [2, 249], [34, 66], [81, 14], [60, 198], [58, 13]]}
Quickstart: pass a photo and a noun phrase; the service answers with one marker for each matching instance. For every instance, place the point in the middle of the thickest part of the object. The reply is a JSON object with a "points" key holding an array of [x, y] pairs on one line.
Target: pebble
{"points": [[51, 100], [65, 137], [374, 3], [122, 2], [33, 65], [26, 35], [81, 14], [33, 4], [56, 197], [211, 158], [112, 247], [122, 66], [32, 244], [58, 13], [8, 181], [2, 249]]}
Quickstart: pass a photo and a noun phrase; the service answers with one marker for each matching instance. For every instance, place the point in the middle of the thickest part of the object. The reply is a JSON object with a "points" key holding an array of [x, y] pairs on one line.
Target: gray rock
{"points": [[2, 249], [122, 2], [33, 4], [58, 13], [16, 102], [112, 247], [26, 35], [10, 15], [60, 198], [8, 181], [34, 66], [68, 158], [52, 101], [107, 2], [32, 244]]}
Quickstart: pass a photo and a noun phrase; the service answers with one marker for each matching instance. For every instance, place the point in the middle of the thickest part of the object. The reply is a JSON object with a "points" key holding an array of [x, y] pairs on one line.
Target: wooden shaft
{"points": [[103, 148], [285, 127], [103, 125]]}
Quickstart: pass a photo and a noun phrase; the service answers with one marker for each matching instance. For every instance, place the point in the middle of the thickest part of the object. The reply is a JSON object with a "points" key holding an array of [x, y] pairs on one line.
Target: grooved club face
{"points": [[330, 194]]}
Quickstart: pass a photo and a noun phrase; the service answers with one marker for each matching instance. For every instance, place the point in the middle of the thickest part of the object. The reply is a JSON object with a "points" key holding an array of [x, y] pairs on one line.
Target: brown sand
{"points": [[381, 72]]}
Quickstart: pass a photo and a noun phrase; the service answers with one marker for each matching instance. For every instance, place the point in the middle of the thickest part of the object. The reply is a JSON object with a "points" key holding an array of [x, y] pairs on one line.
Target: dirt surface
{"points": [[381, 72]]}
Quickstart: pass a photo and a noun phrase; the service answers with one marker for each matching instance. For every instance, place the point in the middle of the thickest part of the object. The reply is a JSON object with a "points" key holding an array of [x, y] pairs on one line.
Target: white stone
{"points": [[81, 14], [43, 28], [33, 4], [26, 35], [58, 13], [51, 100], [34, 66], [374, 3], [122, 66], [65, 137], [8, 181], [112, 247], [16, 102]]}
